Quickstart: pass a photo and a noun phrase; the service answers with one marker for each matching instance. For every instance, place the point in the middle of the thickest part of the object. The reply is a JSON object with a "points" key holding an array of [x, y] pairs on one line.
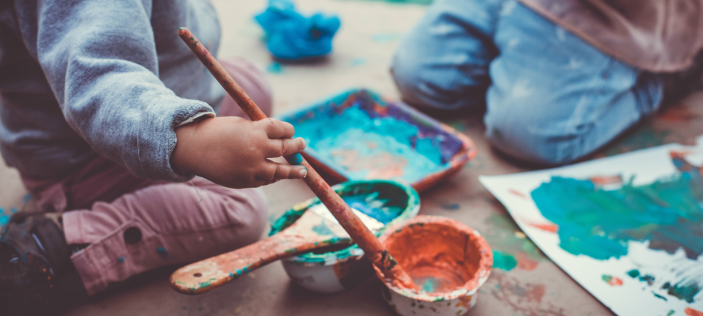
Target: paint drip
{"points": [[372, 148]]}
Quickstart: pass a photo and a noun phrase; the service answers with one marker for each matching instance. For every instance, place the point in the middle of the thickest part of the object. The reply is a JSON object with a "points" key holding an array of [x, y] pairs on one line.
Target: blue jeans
{"points": [[550, 96]]}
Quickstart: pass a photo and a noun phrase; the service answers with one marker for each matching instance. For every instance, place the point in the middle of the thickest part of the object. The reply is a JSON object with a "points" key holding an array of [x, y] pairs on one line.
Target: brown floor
{"points": [[369, 34]]}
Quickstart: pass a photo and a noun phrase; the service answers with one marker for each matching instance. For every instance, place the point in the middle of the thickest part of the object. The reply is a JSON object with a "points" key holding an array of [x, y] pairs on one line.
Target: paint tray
{"points": [[357, 135]]}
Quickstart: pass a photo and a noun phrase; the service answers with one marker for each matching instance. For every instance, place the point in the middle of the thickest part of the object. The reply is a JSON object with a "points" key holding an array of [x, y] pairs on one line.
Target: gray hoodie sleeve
{"points": [[100, 60]]}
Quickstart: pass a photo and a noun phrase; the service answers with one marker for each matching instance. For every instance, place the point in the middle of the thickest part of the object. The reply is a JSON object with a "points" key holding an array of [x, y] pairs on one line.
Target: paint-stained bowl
{"points": [[336, 268], [448, 260], [358, 135]]}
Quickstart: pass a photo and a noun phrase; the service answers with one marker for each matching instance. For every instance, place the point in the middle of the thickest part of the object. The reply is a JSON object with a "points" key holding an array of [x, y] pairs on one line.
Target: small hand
{"points": [[234, 152]]}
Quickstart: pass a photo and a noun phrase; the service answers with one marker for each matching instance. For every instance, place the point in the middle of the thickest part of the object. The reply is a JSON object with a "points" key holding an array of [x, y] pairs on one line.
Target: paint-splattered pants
{"points": [[550, 96], [131, 225]]}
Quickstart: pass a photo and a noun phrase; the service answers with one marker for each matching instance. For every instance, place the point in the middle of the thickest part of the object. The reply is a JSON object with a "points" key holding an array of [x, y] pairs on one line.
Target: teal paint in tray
{"points": [[358, 136]]}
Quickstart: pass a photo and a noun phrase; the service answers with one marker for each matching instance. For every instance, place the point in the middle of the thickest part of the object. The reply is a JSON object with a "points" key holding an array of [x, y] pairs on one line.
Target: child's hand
{"points": [[233, 152]]}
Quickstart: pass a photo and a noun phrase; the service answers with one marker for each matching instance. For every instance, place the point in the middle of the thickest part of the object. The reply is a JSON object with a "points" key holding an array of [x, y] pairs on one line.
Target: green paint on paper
{"points": [[503, 261], [599, 223], [684, 291], [659, 296]]}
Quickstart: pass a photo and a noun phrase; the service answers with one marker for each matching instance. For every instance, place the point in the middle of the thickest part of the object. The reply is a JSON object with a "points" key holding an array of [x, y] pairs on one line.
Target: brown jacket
{"points": [[654, 35]]}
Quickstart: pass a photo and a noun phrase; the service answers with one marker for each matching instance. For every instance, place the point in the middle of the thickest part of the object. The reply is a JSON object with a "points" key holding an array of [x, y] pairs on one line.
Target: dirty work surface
{"points": [[529, 284]]}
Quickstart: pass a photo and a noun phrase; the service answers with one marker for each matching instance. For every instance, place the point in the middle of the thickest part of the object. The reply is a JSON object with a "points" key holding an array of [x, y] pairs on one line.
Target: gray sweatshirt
{"points": [[80, 78]]}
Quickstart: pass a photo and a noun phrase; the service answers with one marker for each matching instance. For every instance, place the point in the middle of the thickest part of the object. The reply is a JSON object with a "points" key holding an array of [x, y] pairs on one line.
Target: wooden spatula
{"points": [[317, 228]]}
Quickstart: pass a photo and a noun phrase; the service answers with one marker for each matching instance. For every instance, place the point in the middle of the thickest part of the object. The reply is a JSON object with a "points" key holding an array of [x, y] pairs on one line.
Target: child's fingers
{"points": [[285, 147], [273, 171], [276, 129]]}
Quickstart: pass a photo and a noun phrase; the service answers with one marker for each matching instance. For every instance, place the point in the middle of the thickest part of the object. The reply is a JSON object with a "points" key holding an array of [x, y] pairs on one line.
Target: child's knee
{"points": [[524, 140], [258, 216]]}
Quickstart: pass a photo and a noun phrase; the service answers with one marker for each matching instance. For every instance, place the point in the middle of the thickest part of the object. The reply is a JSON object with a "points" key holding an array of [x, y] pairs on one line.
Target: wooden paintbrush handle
{"points": [[205, 275], [341, 211]]}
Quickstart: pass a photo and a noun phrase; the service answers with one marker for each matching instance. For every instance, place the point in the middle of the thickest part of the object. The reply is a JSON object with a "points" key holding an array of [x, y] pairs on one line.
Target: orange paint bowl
{"points": [[448, 260]]}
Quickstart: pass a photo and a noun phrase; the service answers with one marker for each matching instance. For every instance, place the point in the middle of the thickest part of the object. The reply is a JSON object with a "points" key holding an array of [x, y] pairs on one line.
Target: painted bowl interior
{"points": [[389, 202], [443, 257], [357, 135]]}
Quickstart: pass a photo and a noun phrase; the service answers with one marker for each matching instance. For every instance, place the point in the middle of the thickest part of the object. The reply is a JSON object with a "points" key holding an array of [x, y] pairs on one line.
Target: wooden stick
{"points": [[341, 211]]}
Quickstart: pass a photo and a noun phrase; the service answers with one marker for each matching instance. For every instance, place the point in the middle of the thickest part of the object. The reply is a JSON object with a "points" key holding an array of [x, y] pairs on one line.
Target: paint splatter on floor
{"points": [[274, 68], [451, 207], [503, 261], [510, 244], [523, 299], [4, 217], [693, 312], [357, 62]]}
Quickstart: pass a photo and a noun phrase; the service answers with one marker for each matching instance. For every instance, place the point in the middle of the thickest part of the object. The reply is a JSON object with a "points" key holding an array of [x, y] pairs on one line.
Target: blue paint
{"points": [[291, 36], [374, 207], [120, 259], [27, 197], [295, 159], [274, 68], [451, 207], [4, 218], [162, 251], [358, 62], [372, 148]]}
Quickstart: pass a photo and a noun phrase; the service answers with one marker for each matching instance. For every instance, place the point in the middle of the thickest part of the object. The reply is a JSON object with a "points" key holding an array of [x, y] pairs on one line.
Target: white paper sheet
{"points": [[626, 267]]}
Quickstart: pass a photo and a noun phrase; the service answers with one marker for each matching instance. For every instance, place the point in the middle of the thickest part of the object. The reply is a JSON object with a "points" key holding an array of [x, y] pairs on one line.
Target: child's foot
{"points": [[36, 272]]}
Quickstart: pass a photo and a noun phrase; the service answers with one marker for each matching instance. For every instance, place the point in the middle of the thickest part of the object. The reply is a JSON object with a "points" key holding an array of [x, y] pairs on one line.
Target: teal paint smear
{"points": [[504, 261], [4, 218], [322, 229], [599, 223], [633, 273], [668, 213], [373, 206], [274, 68], [659, 296], [360, 144], [683, 291]]}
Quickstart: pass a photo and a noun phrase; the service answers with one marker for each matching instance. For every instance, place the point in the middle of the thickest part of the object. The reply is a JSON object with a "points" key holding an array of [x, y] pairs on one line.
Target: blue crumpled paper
{"points": [[290, 35]]}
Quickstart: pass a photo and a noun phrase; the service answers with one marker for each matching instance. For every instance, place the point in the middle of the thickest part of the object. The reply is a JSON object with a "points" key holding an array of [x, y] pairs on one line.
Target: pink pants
{"points": [[132, 225]]}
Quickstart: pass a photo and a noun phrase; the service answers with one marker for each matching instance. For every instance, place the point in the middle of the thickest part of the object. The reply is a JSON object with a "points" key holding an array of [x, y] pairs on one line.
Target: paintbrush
{"points": [[316, 229], [184, 280]]}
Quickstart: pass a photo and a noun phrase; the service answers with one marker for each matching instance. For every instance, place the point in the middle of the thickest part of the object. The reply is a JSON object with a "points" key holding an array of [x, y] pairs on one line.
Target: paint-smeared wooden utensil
{"points": [[187, 282], [317, 228]]}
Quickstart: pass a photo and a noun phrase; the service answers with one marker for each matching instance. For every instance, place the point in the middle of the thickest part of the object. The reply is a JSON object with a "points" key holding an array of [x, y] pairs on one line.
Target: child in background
{"points": [[108, 117], [559, 79]]}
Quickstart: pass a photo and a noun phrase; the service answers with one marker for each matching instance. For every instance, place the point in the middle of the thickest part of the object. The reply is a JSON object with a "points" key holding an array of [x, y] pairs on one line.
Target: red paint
{"points": [[605, 180], [548, 227], [442, 249], [615, 281], [693, 312], [535, 293], [525, 263], [523, 299], [341, 211], [517, 193]]}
